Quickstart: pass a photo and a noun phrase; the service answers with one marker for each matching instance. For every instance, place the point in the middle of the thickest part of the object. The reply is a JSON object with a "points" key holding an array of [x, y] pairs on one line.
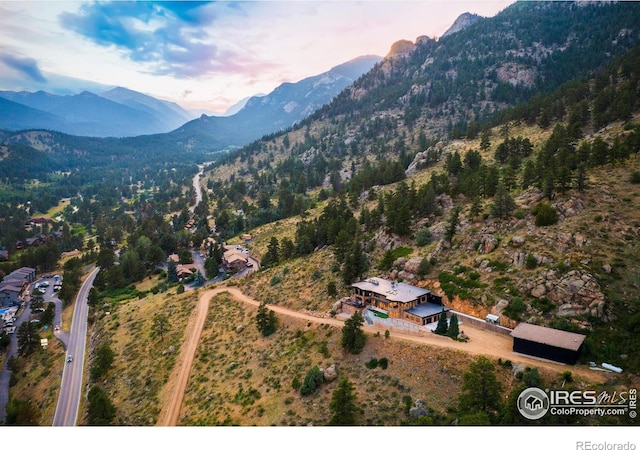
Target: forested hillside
{"points": [[495, 132], [497, 166]]}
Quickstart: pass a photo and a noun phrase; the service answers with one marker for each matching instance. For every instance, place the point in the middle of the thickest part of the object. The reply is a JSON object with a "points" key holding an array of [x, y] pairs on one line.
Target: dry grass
{"points": [[143, 362], [39, 377]]}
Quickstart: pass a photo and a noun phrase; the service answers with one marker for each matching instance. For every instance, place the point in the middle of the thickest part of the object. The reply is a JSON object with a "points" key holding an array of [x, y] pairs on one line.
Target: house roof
{"points": [[426, 310], [548, 336], [391, 290], [235, 257], [10, 287]]}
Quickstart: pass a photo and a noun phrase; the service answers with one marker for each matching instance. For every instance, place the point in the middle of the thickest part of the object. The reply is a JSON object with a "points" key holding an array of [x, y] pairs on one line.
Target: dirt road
{"points": [[481, 342]]}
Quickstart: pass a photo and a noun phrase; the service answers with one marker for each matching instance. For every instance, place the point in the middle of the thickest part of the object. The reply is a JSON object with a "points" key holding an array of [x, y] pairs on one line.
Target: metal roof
{"points": [[391, 290], [426, 310], [548, 336]]}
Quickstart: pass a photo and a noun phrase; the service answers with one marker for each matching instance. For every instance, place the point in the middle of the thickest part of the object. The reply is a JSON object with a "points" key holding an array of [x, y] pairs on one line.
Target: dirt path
{"points": [[481, 342]]}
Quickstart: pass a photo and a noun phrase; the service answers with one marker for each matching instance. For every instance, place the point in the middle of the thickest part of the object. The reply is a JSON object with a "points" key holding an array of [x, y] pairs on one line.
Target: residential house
{"points": [[386, 298], [234, 260]]}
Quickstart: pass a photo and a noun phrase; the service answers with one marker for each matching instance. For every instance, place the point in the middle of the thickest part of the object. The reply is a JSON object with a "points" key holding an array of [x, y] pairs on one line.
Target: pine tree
{"points": [[353, 338], [442, 326], [503, 203], [343, 405], [454, 220], [271, 257], [266, 320], [454, 329], [172, 272], [480, 390], [312, 381]]}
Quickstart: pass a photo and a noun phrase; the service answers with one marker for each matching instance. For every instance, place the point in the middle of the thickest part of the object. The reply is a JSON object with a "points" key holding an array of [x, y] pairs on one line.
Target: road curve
{"points": [[481, 342]]}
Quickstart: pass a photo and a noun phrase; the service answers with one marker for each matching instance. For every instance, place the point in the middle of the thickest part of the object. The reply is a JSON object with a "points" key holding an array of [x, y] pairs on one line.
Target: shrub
{"points": [[312, 381], [635, 177], [545, 214], [383, 363], [372, 363], [531, 262], [423, 237]]}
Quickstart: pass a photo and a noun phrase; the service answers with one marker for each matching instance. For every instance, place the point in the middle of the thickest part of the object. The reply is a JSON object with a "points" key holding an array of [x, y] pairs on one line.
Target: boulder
{"points": [[330, 373], [413, 265], [499, 307], [517, 241], [240, 328], [539, 291], [420, 409], [488, 243], [519, 259]]}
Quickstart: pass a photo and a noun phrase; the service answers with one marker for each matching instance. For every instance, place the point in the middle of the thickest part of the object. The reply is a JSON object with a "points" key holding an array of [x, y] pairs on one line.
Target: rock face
{"points": [[462, 22], [575, 293], [401, 47], [423, 157]]}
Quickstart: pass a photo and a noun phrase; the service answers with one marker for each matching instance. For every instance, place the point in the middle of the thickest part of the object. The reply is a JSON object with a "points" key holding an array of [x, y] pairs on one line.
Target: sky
{"points": [[204, 55]]}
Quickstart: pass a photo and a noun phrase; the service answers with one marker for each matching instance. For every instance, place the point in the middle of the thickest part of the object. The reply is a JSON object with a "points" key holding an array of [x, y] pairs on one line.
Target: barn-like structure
{"points": [[547, 343]]}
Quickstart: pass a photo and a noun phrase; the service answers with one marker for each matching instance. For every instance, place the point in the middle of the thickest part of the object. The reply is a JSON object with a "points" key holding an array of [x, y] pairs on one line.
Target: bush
{"points": [[423, 237], [545, 214], [635, 177], [312, 381], [531, 262], [372, 363]]}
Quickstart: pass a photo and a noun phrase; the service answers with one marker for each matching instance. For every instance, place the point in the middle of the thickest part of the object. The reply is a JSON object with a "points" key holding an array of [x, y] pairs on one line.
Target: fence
{"points": [[482, 324]]}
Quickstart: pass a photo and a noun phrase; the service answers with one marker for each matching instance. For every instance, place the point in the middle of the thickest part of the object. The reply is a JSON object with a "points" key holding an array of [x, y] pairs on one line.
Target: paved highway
{"points": [[71, 386]]}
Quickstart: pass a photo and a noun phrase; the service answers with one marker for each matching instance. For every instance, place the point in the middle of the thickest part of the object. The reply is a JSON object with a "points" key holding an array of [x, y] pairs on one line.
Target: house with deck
{"points": [[398, 300]]}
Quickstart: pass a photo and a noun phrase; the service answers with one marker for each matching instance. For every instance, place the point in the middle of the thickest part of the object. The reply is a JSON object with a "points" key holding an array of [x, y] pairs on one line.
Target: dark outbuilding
{"points": [[547, 343]]}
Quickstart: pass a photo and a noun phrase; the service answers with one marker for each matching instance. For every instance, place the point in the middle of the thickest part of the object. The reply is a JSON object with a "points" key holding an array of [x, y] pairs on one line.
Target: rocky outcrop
{"points": [[575, 293], [462, 22], [488, 243], [401, 48], [422, 158]]}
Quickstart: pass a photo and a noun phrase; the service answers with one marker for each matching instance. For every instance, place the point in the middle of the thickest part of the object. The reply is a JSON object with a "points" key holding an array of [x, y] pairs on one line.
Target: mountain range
{"points": [[117, 112], [121, 112]]}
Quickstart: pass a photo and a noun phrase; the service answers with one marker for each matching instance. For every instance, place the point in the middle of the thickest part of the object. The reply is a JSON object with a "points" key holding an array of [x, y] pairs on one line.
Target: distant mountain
{"points": [[235, 108], [288, 104], [169, 113], [116, 113], [14, 116]]}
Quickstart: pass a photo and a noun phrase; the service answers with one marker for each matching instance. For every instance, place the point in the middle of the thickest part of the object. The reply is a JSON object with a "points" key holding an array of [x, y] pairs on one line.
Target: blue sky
{"points": [[204, 55]]}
